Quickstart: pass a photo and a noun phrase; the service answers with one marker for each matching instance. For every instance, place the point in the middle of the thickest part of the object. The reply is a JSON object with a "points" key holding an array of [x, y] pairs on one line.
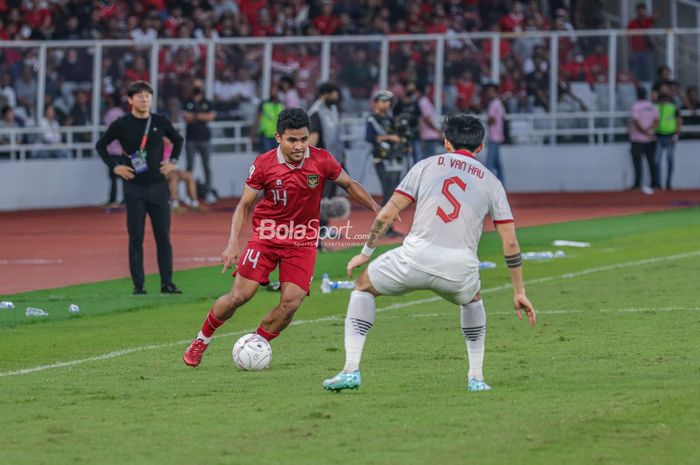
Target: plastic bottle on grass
{"points": [[538, 255], [487, 265], [31, 311], [326, 284], [6, 305], [343, 284]]}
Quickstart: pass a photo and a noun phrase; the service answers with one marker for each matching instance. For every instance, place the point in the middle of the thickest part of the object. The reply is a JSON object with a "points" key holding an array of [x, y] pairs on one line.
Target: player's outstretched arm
{"points": [[381, 225], [240, 217], [511, 251], [356, 192]]}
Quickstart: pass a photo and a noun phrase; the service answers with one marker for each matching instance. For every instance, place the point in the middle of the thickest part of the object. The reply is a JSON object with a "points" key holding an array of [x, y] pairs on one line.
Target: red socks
{"points": [[265, 334], [211, 324]]}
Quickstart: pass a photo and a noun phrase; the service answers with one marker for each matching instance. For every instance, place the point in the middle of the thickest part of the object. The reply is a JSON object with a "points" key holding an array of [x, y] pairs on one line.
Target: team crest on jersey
{"points": [[312, 180], [278, 183]]}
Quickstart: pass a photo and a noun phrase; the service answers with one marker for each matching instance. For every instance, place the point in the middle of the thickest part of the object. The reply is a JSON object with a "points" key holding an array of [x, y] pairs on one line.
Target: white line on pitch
{"points": [[574, 311], [120, 353]]}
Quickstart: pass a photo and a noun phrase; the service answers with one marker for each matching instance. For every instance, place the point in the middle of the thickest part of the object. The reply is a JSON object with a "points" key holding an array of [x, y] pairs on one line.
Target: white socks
{"points": [[201, 336], [359, 319], [473, 318]]}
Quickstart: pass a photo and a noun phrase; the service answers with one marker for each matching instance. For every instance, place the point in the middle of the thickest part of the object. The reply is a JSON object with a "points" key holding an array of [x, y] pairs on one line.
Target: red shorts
{"points": [[296, 264]]}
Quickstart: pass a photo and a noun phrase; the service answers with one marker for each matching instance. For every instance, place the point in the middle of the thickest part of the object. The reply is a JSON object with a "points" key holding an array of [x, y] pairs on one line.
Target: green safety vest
{"points": [[668, 125], [268, 118]]}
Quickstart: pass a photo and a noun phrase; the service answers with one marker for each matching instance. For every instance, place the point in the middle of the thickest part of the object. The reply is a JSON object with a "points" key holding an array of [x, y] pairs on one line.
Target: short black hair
{"points": [[464, 131], [137, 87], [292, 118], [641, 93], [288, 79], [327, 87]]}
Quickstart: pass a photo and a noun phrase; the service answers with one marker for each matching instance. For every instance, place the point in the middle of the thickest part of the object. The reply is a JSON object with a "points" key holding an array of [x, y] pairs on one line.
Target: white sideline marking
{"points": [[573, 310], [183, 342]]}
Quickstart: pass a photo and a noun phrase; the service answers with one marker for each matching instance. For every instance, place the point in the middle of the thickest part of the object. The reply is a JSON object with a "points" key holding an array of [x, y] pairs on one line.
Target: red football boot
{"points": [[193, 354]]}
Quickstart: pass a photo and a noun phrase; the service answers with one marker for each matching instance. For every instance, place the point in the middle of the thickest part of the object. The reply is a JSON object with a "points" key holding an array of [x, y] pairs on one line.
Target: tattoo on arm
{"points": [[379, 228]]}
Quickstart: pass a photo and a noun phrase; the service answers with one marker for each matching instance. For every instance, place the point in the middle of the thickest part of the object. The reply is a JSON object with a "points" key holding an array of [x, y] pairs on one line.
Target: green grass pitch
{"points": [[611, 374]]}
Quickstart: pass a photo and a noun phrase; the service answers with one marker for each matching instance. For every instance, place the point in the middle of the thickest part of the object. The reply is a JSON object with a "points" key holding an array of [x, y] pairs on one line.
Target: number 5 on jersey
{"points": [[456, 206]]}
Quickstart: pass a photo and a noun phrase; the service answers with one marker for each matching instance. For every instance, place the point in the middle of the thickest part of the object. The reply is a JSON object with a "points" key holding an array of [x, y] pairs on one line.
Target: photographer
{"points": [[386, 147], [407, 116]]}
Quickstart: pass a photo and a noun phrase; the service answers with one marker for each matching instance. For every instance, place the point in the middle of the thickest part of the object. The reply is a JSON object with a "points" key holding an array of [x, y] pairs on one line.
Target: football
{"points": [[252, 352]]}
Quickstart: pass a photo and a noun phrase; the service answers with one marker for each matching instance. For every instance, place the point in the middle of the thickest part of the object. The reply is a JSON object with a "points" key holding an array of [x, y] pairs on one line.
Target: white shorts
{"points": [[391, 274]]}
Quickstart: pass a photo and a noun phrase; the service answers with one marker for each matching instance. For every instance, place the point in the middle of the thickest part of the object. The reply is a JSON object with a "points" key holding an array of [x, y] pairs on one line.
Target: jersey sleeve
{"points": [[410, 185], [333, 168], [499, 208], [256, 177]]}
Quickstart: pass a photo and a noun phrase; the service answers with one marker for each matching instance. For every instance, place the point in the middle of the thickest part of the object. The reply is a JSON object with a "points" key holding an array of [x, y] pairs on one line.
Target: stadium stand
{"points": [[545, 55]]}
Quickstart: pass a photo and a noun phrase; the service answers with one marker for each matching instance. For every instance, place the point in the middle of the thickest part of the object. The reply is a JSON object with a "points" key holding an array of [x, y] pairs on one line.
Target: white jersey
{"points": [[453, 193]]}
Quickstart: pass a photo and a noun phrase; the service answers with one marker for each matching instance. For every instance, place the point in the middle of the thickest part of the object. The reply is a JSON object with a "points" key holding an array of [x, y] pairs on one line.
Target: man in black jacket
{"points": [[143, 169], [197, 112]]}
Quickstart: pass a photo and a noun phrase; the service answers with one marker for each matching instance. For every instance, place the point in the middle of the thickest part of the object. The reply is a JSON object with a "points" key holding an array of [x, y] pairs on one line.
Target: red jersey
{"points": [[641, 42], [288, 216], [512, 23]]}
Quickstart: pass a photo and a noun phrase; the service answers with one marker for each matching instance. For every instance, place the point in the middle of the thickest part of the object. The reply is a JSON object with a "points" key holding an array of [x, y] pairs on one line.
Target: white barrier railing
{"points": [[234, 136]]}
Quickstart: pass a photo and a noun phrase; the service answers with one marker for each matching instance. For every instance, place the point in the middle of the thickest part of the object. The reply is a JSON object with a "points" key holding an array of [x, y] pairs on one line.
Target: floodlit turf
{"points": [[609, 376]]}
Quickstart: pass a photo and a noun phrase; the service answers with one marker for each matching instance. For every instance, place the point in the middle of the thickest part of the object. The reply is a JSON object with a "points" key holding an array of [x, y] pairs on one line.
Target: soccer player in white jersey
{"points": [[453, 193]]}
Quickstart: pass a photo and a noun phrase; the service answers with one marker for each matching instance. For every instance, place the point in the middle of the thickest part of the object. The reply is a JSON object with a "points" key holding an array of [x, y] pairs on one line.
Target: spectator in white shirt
{"points": [[50, 135], [221, 7], [144, 33], [6, 90], [225, 87]]}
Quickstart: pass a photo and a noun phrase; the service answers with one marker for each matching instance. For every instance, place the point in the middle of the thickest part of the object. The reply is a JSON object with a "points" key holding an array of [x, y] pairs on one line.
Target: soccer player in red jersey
{"points": [[286, 228]]}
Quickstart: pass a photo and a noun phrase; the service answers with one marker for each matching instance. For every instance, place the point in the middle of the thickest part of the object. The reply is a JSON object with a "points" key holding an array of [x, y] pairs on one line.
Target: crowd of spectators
{"points": [[523, 83]]}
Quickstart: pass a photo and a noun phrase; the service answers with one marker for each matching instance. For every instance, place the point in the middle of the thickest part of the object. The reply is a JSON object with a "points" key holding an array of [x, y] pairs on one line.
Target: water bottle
{"points": [[73, 308], [538, 255], [343, 285], [562, 243], [326, 284], [486, 265], [7, 305], [31, 311]]}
